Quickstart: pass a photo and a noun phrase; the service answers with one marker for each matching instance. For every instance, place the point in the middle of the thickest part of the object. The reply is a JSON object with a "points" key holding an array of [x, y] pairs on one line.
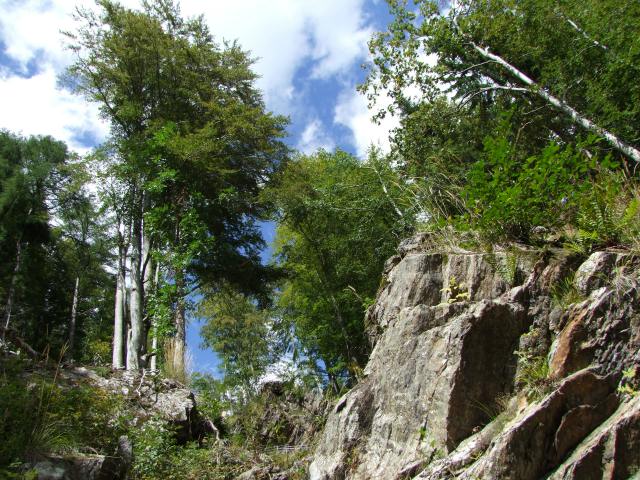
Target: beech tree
{"points": [[193, 147]]}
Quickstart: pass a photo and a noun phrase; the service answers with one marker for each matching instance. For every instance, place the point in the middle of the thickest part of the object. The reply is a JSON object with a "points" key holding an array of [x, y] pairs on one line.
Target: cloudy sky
{"points": [[309, 55], [309, 58]]}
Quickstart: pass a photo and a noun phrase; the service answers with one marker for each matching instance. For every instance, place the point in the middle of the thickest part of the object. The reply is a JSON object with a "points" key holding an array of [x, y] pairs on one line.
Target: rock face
{"points": [[446, 329]]}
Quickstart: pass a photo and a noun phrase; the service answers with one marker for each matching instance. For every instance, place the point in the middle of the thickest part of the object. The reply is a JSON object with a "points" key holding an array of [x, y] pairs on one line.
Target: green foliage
{"points": [[456, 292], [192, 146], [154, 446], [39, 262], [608, 214], [565, 292], [629, 384], [493, 154], [533, 375], [41, 415], [338, 220], [239, 332], [510, 196]]}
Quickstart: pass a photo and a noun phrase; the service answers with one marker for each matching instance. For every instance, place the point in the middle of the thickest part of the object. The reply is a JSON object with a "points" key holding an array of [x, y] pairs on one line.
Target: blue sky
{"points": [[309, 60]]}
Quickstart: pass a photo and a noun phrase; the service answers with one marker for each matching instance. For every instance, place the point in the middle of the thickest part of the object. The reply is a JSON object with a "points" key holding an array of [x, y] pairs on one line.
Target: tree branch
{"points": [[561, 105], [575, 26], [467, 98]]}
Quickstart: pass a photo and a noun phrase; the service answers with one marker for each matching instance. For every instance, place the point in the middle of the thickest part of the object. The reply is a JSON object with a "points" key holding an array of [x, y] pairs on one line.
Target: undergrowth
{"points": [[41, 415]]}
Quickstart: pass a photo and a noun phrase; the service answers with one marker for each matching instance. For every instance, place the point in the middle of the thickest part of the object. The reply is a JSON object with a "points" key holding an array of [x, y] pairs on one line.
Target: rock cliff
{"points": [[494, 365]]}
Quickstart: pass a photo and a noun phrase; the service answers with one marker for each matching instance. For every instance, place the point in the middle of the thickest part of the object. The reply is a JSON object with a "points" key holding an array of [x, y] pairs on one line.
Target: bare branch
{"points": [[561, 105], [468, 97], [583, 33]]}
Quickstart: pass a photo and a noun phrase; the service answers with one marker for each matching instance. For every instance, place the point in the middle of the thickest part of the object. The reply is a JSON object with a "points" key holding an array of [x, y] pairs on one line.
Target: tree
{"points": [[562, 58], [194, 146], [53, 284], [239, 332], [338, 221]]}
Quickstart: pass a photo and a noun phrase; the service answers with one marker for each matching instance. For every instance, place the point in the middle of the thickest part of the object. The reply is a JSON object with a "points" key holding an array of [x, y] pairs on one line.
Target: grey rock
{"points": [[610, 451], [85, 467], [48, 470], [425, 279], [430, 378], [594, 273], [163, 398], [537, 440], [442, 359], [602, 330]]}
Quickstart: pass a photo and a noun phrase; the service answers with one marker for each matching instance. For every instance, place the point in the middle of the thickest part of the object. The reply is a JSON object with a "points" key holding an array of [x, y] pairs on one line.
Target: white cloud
{"points": [[284, 34], [314, 137], [35, 106], [30, 28], [352, 112], [327, 38]]}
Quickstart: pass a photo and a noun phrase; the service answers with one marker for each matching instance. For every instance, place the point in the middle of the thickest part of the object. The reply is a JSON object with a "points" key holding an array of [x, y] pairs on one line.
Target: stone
{"points": [[611, 451], [595, 272], [444, 330], [428, 383], [420, 278], [537, 440], [86, 467], [165, 398], [602, 330]]}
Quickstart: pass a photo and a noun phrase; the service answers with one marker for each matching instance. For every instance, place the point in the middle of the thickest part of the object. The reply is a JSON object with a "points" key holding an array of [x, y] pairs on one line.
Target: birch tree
{"points": [[575, 60]]}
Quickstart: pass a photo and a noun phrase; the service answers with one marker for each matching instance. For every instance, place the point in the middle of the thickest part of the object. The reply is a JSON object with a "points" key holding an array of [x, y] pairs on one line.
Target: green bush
{"points": [[39, 415], [608, 214], [509, 196]]}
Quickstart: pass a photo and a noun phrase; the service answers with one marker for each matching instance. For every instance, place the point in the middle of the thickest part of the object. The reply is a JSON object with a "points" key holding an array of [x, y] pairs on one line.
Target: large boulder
{"points": [[149, 397], [86, 467], [441, 360], [455, 335]]}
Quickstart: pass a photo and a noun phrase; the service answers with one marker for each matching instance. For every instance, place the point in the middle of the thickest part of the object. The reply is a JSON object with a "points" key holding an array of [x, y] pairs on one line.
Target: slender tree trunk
{"points": [[72, 320], [147, 280], [12, 286], [135, 346], [179, 339], [154, 326], [118, 360]]}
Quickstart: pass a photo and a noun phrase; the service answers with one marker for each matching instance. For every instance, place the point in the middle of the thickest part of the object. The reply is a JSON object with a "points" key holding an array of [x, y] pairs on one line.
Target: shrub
{"points": [[608, 214], [40, 415], [508, 196]]}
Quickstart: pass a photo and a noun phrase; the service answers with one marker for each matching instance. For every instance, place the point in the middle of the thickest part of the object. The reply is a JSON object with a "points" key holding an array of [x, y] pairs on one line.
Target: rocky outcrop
{"points": [[86, 467], [456, 334], [149, 397], [289, 417]]}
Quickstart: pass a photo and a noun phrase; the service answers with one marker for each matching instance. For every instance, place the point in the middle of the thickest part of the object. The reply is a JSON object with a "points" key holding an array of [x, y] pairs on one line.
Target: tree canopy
{"points": [[193, 145]]}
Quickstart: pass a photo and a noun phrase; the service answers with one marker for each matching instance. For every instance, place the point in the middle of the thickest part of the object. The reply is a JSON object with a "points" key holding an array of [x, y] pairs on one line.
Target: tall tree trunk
{"points": [[179, 339], [147, 280], [72, 320], [118, 359], [154, 326], [12, 286], [135, 346]]}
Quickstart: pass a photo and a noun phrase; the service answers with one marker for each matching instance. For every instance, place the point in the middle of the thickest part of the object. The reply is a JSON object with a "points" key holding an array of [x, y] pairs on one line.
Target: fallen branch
{"points": [[11, 334]]}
